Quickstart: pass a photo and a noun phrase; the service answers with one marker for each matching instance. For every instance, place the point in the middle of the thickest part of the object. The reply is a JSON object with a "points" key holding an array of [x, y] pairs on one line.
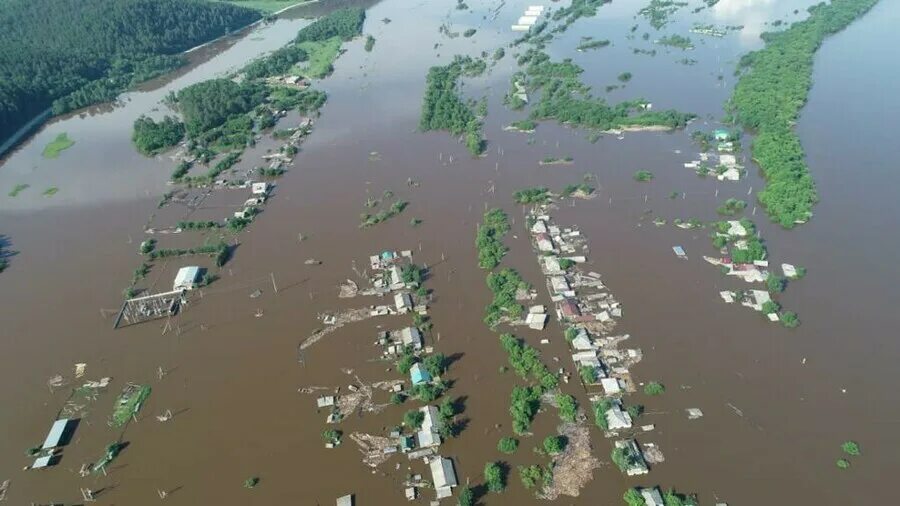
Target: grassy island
{"points": [[768, 97], [442, 107], [61, 143]]}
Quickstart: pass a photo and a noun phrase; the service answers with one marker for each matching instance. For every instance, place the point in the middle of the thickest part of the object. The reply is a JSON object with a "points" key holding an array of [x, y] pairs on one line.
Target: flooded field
{"points": [[777, 403]]}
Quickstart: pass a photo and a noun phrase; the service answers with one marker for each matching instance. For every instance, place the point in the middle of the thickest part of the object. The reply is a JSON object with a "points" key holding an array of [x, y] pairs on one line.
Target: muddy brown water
{"points": [[233, 377]]}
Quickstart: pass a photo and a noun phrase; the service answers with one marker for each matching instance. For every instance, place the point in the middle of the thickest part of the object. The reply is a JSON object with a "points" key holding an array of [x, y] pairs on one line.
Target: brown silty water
{"points": [[777, 403]]}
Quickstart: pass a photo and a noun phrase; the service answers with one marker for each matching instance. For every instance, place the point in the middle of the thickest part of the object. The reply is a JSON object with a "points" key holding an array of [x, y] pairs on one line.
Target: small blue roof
{"points": [[387, 255], [418, 374], [678, 251]]}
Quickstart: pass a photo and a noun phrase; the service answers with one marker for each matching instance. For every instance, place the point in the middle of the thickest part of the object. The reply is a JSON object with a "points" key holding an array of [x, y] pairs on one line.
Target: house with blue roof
{"points": [[418, 374]]}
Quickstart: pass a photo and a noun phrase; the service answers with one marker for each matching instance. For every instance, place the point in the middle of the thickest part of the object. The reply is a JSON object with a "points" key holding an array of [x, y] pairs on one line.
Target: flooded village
{"points": [[344, 307]]}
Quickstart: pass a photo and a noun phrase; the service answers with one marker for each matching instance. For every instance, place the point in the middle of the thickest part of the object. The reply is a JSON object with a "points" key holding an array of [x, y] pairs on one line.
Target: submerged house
{"points": [[410, 336], [187, 278], [418, 374], [404, 302], [443, 476], [652, 497], [617, 419]]}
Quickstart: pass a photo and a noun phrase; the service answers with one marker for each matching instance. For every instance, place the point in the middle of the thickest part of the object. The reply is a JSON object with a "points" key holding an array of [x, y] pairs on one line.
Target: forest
{"points": [[211, 103], [68, 54], [772, 89], [442, 107]]}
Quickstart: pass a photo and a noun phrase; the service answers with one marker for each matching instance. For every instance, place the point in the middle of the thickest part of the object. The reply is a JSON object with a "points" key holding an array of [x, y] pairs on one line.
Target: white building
{"points": [[404, 303], [410, 336], [186, 278], [259, 188], [443, 476]]}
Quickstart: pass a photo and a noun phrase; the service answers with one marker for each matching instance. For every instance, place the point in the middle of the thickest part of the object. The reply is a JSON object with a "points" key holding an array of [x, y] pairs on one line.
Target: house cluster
{"points": [[589, 310], [259, 193], [723, 163], [528, 19]]}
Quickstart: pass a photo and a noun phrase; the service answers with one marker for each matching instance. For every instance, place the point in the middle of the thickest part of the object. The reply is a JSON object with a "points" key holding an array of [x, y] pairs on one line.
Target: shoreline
{"points": [[36, 123]]}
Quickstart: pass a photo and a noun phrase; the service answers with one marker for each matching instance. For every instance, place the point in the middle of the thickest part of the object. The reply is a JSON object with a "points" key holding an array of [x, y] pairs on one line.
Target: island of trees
{"points": [[442, 107], [772, 89], [67, 57]]}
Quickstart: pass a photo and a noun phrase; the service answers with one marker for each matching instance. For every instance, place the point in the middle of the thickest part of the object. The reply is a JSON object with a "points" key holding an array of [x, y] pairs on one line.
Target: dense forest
{"points": [[68, 54], [442, 107], [768, 98]]}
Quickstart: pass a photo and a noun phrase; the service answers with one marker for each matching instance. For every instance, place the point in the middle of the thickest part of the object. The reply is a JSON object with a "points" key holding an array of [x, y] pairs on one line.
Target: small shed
{"points": [[721, 134], [186, 278], [419, 374]]}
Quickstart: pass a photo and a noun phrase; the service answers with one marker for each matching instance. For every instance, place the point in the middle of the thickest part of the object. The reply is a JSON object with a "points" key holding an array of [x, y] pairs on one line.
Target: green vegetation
{"points": [[768, 97], [19, 188], [566, 99], [494, 477], [523, 406], [413, 418], [770, 307], [508, 445], [68, 58], [470, 32], [112, 451], [57, 146], [49, 192], [151, 137], [499, 54], [370, 43], [322, 55], [129, 403], [576, 10], [789, 319], [538, 195], [555, 444], [534, 475], [568, 407], [343, 23], [850, 448], [654, 388], [503, 285], [600, 409], [397, 398], [676, 41], [332, 436], [643, 176], [625, 458], [526, 361], [369, 220], [754, 250], [495, 225], [843, 463], [731, 207], [220, 251], [525, 125], [583, 189], [209, 104], [657, 12], [588, 374], [592, 44], [624, 77], [251, 482], [633, 497], [776, 284], [466, 497], [443, 109]]}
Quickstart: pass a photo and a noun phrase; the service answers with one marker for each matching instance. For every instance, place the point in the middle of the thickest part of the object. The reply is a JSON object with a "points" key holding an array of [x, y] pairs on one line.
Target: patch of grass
{"points": [[60, 144], [321, 57], [843, 463], [654, 388], [49, 192], [18, 189]]}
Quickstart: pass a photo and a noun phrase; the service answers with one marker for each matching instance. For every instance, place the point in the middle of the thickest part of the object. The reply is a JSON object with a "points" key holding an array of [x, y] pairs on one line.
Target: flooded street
{"points": [[777, 403]]}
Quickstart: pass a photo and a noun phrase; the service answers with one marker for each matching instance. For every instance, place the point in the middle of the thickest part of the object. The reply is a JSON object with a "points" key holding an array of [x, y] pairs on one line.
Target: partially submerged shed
{"points": [[443, 475], [186, 278]]}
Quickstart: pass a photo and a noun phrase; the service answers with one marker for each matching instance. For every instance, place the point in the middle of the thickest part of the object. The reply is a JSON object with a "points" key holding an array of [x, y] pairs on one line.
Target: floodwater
{"points": [[777, 402]]}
